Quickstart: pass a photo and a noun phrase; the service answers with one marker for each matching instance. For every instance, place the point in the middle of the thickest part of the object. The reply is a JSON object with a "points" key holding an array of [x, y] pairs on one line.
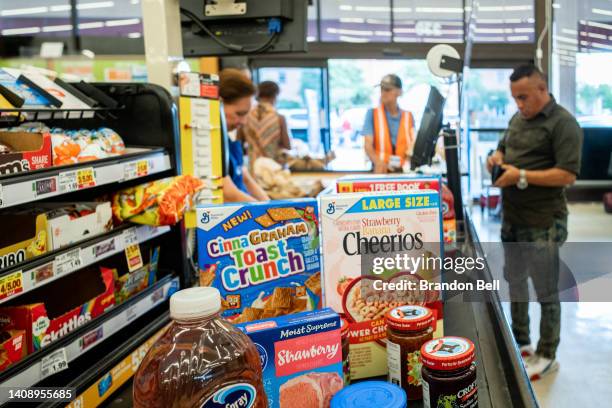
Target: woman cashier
{"points": [[236, 91]]}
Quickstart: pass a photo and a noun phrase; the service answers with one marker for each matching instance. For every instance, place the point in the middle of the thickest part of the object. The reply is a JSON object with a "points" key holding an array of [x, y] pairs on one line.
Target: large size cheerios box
{"points": [[263, 257], [376, 248]]}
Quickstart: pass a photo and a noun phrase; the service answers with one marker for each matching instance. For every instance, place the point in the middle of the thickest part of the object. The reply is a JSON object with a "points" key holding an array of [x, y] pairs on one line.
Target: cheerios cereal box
{"points": [[263, 257], [374, 249]]}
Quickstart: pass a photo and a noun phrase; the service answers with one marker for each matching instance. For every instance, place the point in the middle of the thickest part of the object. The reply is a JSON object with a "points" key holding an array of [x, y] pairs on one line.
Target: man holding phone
{"points": [[539, 156]]}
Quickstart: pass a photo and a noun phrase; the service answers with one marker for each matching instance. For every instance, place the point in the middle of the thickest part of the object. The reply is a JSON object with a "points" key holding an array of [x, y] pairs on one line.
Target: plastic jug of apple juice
{"points": [[202, 361]]}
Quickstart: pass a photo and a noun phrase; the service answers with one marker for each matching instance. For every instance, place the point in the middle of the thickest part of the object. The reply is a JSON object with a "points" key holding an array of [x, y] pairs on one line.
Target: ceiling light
{"points": [[116, 23], [134, 35], [383, 9], [524, 30], [599, 25], [345, 7], [351, 20], [22, 11], [56, 28], [24, 30], [602, 12], [517, 38], [598, 36], [60, 7], [565, 39], [96, 5], [86, 26], [556, 5], [345, 38], [349, 32], [439, 10], [489, 30], [402, 10]]}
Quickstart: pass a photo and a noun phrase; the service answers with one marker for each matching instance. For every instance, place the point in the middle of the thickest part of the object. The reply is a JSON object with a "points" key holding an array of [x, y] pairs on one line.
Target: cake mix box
{"points": [[301, 357], [263, 257], [358, 230], [356, 184]]}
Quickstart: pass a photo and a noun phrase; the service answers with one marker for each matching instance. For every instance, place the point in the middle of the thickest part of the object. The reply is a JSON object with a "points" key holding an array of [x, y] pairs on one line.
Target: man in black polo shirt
{"points": [[540, 156]]}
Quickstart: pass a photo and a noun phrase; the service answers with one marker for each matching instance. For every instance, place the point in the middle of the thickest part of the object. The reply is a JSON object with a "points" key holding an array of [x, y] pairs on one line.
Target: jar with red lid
{"points": [[408, 328], [449, 373], [346, 364]]}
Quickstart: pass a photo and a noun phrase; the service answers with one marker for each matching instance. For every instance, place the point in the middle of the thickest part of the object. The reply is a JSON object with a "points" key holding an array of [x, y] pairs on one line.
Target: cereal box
{"points": [[357, 231], [301, 357], [263, 257], [355, 184]]}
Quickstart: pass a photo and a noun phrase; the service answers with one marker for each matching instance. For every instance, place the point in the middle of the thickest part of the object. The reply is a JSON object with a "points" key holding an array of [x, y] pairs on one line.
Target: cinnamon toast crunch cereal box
{"points": [[263, 257], [375, 247]]}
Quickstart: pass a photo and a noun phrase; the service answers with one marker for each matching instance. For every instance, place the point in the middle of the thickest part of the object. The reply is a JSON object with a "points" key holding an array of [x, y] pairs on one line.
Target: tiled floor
{"points": [[585, 352]]}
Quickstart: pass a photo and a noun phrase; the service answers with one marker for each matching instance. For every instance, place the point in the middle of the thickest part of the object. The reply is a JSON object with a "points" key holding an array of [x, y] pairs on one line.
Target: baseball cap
{"points": [[391, 81]]}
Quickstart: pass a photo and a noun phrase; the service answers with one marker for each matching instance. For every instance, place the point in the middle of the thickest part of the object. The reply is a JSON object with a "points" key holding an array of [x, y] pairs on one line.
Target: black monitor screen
{"points": [[431, 123]]}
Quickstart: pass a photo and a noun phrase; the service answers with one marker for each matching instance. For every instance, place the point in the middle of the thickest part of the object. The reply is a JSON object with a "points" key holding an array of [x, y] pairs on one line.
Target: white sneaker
{"points": [[538, 367], [526, 351]]}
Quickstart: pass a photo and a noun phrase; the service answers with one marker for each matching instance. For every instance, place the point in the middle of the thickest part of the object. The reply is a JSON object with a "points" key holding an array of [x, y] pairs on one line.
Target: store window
{"points": [[355, 21], [302, 102], [582, 59], [437, 21], [352, 91], [35, 17], [489, 109], [110, 19], [504, 21], [313, 25]]}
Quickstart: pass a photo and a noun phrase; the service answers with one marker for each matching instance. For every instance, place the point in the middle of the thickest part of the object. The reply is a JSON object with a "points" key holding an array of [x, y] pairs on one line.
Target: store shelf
{"points": [[58, 355], [54, 181], [16, 115], [97, 384], [45, 269]]}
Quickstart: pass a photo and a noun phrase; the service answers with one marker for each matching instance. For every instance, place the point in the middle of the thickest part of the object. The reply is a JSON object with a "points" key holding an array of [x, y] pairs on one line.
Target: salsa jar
{"points": [[449, 373], [408, 328], [346, 364]]}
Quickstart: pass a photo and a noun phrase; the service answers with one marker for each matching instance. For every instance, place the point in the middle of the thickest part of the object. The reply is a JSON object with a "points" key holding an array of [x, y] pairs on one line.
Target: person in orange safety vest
{"points": [[388, 130]]}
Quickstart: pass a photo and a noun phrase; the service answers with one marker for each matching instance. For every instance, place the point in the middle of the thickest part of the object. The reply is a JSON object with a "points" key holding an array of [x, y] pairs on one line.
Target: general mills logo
{"points": [[331, 208], [205, 217], [263, 355]]}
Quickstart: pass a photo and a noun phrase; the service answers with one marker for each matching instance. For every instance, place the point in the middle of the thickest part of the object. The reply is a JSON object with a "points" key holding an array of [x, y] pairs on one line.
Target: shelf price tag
{"points": [[136, 169], [53, 363], [132, 250], [86, 178], [67, 181], [68, 262], [11, 285]]}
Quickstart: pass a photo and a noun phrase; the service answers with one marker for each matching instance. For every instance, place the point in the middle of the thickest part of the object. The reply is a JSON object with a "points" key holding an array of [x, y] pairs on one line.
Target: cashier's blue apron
{"points": [[236, 162]]}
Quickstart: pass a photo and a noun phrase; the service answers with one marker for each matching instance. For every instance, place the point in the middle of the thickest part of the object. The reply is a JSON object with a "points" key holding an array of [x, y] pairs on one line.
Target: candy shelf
{"points": [[57, 356], [37, 185], [146, 119], [68, 260]]}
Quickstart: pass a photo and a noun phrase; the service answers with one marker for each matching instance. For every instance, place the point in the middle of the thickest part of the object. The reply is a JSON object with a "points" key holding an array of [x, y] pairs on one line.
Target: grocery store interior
{"points": [[259, 151]]}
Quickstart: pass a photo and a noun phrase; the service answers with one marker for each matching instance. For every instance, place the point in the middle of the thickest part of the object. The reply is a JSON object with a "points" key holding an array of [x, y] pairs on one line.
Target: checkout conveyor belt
{"points": [[502, 381]]}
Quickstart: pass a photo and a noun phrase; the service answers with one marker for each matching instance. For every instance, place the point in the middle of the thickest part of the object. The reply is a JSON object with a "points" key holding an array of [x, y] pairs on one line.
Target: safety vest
{"points": [[382, 137]]}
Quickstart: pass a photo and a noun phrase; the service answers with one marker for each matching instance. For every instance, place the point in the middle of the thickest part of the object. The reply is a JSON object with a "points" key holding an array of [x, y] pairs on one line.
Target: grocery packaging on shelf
{"points": [[47, 317], [301, 357], [19, 94], [135, 274], [356, 184], [12, 347], [70, 223], [263, 257], [160, 202], [28, 237], [357, 227], [224, 371], [22, 152], [43, 84], [76, 146]]}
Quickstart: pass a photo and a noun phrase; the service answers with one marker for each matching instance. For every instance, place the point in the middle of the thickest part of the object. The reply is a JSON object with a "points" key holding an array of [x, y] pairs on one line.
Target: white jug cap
{"points": [[195, 302]]}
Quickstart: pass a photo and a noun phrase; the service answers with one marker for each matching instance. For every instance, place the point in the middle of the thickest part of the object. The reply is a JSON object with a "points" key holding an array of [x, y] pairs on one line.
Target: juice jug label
{"points": [[240, 395]]}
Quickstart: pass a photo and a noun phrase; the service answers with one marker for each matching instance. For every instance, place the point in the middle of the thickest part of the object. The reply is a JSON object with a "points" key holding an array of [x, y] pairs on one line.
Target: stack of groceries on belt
{"points": [[296, 278]]}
